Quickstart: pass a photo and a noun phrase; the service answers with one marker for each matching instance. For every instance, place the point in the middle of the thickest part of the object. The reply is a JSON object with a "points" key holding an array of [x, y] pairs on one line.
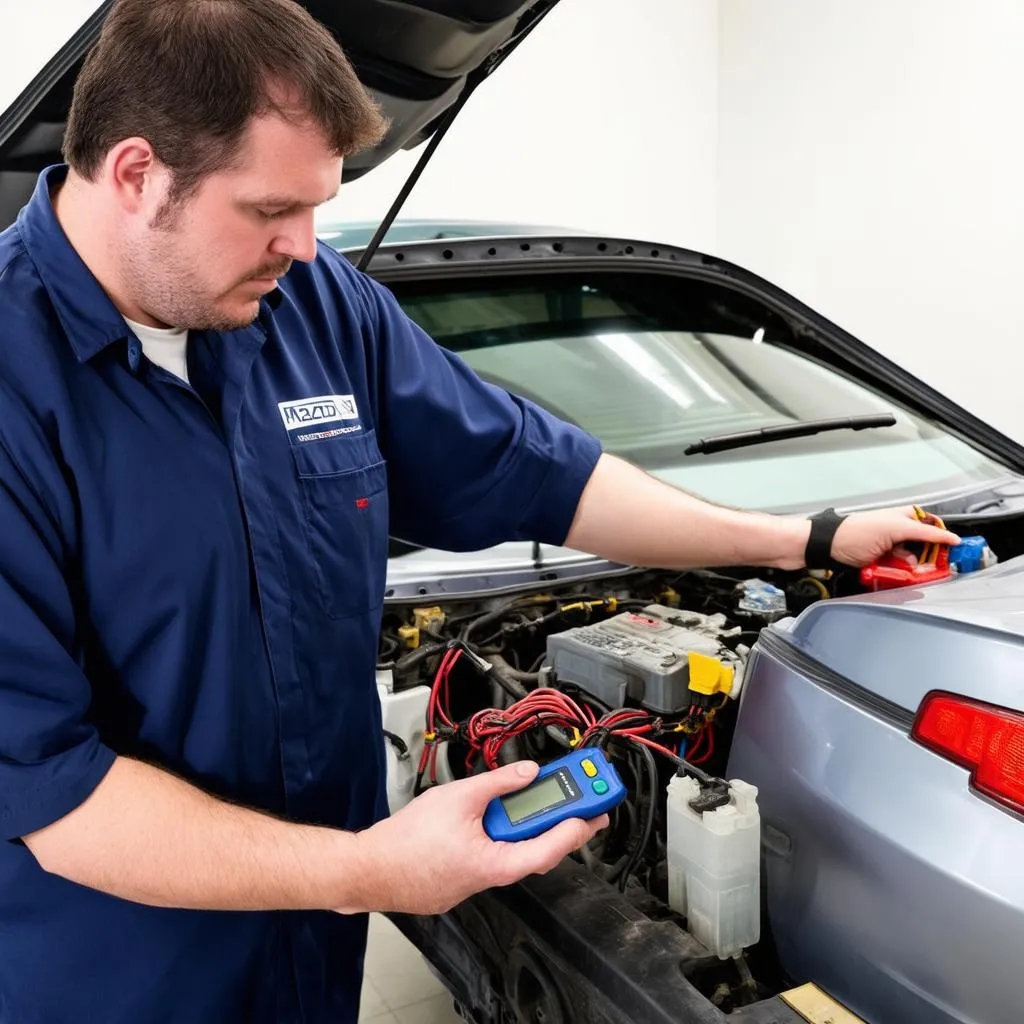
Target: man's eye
{"points": [[269, 214]]}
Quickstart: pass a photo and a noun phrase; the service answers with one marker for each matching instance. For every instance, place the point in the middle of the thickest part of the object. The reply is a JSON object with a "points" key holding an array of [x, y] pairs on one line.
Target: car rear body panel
{"points": [[965, 636], [887, 879]]}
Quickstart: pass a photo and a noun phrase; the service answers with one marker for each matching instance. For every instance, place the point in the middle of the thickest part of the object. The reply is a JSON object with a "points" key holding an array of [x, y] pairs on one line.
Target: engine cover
{"points": [[643, 656]]}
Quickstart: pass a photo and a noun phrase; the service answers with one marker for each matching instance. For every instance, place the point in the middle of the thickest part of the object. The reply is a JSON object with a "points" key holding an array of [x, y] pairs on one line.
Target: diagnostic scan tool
{"points": [[582, 784]]}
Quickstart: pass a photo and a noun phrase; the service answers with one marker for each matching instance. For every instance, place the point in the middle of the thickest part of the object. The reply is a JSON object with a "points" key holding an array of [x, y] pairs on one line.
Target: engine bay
{"points": [[649, 668]]}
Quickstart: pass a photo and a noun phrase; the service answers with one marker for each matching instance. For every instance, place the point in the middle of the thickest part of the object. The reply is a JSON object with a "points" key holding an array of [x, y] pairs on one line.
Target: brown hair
{"points": [[188, 75]]}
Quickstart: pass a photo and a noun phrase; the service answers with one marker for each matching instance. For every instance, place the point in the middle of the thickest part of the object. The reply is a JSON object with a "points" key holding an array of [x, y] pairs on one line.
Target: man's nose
{"points": [[298, 240]]}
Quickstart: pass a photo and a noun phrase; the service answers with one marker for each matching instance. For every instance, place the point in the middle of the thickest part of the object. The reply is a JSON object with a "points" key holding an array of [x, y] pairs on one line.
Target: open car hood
{"points": [[418, 58]]}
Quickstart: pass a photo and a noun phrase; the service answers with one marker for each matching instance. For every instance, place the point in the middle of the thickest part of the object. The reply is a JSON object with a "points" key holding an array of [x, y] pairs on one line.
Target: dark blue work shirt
{"points": [[194, 576]]}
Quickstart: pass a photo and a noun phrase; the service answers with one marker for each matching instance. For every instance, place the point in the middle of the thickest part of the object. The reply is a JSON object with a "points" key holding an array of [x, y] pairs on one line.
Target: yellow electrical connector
{"points": [[708, 675], [611, 603], [410, 636], [684, 727], [428, 618]]}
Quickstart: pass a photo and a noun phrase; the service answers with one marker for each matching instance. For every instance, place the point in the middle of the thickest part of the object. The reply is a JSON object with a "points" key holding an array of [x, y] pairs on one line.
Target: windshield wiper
{"points": [[785, 431]]}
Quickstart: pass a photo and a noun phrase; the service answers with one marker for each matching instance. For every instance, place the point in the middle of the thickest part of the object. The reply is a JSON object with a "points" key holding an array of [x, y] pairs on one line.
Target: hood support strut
{"points": [[473, 80], [410, 182]]}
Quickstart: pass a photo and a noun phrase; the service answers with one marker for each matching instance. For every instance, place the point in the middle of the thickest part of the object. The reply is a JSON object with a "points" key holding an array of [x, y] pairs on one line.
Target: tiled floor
{"points": [[398, 986]]}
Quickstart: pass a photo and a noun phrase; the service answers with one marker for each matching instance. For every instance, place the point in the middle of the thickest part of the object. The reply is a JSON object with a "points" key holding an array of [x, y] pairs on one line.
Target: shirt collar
{"points": [[89, 317]]}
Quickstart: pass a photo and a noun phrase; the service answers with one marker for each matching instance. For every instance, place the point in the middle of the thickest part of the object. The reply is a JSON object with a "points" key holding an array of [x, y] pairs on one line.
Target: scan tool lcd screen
{"points": [[541, 796]]}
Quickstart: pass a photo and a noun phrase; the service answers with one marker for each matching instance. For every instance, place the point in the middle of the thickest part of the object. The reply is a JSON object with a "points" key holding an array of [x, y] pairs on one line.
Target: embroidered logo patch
{"points": [[322, 435], [325, 409]]}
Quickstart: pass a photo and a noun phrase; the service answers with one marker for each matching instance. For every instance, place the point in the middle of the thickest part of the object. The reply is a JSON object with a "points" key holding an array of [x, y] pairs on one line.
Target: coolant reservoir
{"points": [[714, 866], [404, 716]]}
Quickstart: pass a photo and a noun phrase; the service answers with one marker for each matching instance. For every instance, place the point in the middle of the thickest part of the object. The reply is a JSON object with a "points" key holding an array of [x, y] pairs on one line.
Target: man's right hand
{"points": [[434, 853], [148, 836]]}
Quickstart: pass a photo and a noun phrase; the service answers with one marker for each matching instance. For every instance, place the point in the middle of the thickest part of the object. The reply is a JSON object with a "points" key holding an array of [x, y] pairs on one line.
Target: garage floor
{"points": [[398, 987]]}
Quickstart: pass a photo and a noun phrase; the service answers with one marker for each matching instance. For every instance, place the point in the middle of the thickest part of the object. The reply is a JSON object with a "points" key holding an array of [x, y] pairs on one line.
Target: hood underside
{"points": [[418, 58]]}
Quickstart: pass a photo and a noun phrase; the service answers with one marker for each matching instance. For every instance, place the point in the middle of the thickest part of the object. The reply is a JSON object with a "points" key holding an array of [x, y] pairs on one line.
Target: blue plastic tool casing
{"points": [[582, 784], [970, 555]]}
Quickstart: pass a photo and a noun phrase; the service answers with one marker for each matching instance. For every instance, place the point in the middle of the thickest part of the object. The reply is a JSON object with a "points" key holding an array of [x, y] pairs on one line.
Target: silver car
{"points": [[883, 736], [825, 771], [878, 725]]}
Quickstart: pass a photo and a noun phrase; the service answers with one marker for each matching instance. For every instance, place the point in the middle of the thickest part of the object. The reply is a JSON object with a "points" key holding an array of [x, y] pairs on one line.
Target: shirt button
{"points": [[134, 352]]}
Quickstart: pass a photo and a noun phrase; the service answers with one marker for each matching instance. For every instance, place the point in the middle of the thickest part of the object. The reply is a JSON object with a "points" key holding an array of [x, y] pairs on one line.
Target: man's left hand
{"points": [[865, 537], [628, 516]]}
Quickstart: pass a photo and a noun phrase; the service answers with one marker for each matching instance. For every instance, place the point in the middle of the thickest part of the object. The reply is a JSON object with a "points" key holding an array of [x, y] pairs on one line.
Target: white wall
{"points": [[604, 118], [870, 162]]}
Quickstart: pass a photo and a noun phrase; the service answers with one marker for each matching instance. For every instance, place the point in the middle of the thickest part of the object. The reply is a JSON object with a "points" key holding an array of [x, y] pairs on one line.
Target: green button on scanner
{"points": [[600, 787]]}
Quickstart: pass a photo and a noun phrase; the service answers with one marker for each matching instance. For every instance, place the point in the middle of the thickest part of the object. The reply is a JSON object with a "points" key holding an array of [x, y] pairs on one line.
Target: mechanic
{"points": [[209, 424]]}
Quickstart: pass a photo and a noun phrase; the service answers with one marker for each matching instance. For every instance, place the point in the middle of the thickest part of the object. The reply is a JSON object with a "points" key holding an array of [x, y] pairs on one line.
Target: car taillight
{"points": [[983, 737]]}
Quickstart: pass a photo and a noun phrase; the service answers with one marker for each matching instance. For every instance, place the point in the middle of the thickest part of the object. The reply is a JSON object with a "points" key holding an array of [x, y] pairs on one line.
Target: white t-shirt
{"points": [[165, 346]]}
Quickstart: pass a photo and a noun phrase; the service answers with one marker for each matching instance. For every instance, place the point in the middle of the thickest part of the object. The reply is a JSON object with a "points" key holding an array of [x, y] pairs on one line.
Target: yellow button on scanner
{"points": [[588, 766]]}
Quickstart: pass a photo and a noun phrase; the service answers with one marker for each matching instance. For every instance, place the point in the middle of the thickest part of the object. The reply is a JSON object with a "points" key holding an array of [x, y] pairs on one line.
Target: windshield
{"points": [[650, 366]]}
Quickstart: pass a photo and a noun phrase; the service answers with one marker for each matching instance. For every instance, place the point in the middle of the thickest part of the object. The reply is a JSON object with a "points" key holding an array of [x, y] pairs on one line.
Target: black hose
{"points": [[652, 800], [413, 658], [594, 860], [486, 619], [566, 610], [399, 744], [511, 679], [513, 673], [500, 613], [604, 871]]}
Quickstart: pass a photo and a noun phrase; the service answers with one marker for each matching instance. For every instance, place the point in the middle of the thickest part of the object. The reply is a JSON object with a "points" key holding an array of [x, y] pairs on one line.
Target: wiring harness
{"points": [[547, 708], [571, 718]]}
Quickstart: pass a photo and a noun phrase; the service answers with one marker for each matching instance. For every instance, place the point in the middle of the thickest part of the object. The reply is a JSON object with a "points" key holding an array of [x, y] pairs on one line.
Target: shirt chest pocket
{"points": [[343, 485]]}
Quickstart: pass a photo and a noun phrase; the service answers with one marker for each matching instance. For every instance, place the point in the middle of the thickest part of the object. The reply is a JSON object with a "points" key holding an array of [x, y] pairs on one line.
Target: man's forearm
{"points": [[627, 516], [147, 836]]}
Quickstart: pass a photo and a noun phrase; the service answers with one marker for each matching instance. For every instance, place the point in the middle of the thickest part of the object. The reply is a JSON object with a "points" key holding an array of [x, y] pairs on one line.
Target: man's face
{"points": [[205, 263]]}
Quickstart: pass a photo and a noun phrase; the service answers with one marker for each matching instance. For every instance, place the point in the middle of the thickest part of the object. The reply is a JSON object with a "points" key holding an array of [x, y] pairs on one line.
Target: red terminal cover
{"points": [[895, 571]]}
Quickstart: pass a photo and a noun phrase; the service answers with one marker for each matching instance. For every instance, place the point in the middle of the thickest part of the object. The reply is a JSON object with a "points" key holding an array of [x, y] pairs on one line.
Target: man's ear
{"points": [[137, 180]]}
